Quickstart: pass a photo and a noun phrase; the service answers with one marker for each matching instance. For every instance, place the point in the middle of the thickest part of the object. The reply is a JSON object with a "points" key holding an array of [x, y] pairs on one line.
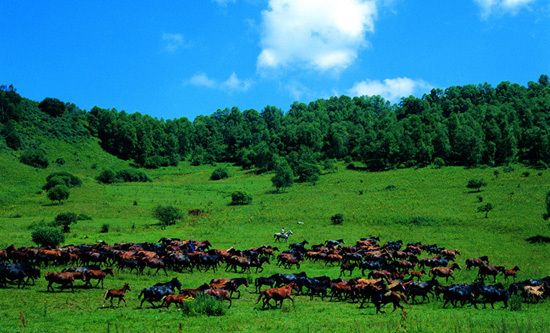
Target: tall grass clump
{"points": [[203, 305]]}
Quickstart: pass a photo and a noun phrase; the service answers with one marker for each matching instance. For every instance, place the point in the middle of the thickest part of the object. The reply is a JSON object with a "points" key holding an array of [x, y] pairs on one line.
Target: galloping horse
{"points": [[64, 279], [118, 293], [282, 235], [99, 274], [277, 294]]}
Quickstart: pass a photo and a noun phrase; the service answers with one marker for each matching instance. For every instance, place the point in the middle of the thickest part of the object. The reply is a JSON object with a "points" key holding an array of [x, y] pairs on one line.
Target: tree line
{"points": [[469, 125]]}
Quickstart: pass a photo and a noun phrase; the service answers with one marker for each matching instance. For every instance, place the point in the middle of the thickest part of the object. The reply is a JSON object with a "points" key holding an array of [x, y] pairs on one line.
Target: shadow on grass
{"points": [[538, 239]]}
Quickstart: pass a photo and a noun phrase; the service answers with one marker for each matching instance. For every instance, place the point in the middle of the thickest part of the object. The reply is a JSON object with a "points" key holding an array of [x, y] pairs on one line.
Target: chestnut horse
{"points": [[445, 272], [277, 294], [118, 293]]}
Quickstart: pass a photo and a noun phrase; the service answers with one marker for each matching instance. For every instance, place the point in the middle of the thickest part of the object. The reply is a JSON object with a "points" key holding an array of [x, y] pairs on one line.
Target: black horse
{"points": [[158, 291]]}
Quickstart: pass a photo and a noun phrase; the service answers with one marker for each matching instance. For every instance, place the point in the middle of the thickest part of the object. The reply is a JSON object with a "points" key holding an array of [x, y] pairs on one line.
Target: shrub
{"points": [[61, 178], [439, 162], [60, 161], [47, 236], [133, 175], [35, 158], [241, 197], [83, 217], [108, 176], [104, 228], [526, 174], [390, 187], [167, 215], [219, 173], [203, 305], [308, 172], [58, 193], [476, 184], [515, 302], [337, 219]]}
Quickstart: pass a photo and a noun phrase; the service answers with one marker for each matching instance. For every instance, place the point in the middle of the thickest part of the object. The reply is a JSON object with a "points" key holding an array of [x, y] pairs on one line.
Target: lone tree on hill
{"points": [[476, 184], [58, 193], [284, 177], [485, 209], [167, 215]]}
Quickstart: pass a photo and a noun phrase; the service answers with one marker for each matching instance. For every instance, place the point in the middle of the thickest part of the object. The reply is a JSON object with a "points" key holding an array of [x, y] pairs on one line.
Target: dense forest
{"points": [[469, 125]]}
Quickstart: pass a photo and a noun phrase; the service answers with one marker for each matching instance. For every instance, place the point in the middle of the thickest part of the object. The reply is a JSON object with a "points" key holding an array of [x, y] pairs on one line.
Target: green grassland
{"points": [[427, 205]]}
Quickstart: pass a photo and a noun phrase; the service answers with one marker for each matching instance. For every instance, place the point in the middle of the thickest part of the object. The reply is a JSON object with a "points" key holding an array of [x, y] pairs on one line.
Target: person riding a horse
{"points": [[283, 230]]}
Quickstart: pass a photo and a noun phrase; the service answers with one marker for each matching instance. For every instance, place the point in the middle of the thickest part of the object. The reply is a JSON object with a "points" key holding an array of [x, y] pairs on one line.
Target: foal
{"points": [[118, 293]]}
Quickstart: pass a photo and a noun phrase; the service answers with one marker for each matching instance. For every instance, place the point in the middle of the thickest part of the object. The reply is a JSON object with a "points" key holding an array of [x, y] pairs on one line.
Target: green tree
{"points": [[47, 236], [476, 184], [58, 193], [52, 106], [485, 209], [65, 219], [167, 215], [284, 177]]}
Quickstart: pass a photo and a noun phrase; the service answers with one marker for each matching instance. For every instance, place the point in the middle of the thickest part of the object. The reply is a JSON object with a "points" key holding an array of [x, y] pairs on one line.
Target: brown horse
{"points": [[178, 299], [384, 297], [510, 272], [118, 293], [64, 279], [97, 274], [219, 294], [278, 295], [445, 272], [485, 270]]}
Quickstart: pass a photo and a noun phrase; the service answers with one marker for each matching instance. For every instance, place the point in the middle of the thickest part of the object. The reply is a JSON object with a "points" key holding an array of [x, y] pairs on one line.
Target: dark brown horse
{"points": [[118, 293], [277, 294]]}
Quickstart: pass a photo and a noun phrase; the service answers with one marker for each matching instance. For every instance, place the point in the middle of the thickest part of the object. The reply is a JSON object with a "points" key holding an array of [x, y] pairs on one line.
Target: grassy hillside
{"points": [[427, 205]]}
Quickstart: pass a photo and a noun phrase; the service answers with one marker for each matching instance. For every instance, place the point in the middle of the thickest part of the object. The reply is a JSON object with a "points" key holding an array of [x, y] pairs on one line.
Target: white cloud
{"points": [[172, 42], [233, 83], [489, 7], [391, 89], [318, 34]]}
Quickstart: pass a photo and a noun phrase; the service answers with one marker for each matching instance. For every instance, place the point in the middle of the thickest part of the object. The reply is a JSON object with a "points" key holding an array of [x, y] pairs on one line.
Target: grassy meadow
{"points": [[427, 205]]}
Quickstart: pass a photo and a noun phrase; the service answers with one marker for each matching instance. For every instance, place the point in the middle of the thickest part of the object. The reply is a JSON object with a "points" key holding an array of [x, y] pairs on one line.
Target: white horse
{"points": [[282, 235]]}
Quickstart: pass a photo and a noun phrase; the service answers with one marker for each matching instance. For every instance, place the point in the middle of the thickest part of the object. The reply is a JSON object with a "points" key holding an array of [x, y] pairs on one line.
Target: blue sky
{"points": [[173, 59]]}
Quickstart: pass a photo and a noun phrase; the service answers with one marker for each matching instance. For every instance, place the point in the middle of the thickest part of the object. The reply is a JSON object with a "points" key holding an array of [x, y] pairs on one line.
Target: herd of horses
{"points": [[397, 273]]}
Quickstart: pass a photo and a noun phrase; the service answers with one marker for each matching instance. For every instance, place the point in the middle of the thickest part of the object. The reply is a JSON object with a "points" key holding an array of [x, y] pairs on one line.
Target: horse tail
{"points": [[404, 298], [105, 294]]}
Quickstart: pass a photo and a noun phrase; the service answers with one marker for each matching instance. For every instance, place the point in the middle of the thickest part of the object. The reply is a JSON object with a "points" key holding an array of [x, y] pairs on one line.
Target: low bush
{"points": [[35, 158], [203, 305], [62, 178], [47, 236], [241, 197], [337, 219], [219, 173]]}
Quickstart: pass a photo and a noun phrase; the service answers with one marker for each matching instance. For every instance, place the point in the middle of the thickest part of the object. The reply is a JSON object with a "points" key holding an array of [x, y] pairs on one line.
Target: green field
{"points": [[427, 205]]}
